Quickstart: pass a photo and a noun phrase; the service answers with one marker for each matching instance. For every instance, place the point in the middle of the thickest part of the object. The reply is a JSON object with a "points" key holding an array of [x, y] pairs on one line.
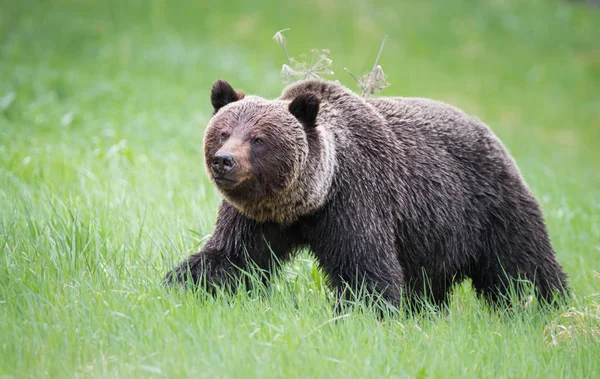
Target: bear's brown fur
{"points": [[398, 194]]}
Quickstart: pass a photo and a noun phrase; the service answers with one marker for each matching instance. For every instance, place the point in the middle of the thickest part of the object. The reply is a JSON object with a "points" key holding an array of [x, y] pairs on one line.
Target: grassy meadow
{"points": [[103, 189]]}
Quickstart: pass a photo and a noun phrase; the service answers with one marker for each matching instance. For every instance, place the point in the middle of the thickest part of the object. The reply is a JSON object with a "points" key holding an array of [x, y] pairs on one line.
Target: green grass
{"points": [[102, 185]]}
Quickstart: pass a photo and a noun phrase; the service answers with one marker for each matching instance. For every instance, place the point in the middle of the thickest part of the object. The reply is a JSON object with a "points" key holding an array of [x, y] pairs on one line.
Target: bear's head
{"points": [[263, 155]]}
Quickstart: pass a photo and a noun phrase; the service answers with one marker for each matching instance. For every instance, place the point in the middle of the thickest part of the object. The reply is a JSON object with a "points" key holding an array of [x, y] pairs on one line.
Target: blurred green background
{"points": [[102, 184]]}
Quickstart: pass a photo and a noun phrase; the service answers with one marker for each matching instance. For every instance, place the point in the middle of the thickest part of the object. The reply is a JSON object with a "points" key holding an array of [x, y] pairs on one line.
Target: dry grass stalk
{"points": [[576, 324]]}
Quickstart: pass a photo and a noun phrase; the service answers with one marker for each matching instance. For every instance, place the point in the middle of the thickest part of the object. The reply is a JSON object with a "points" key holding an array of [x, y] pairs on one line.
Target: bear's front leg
{"points": [[236, 244], [367, 279], [358, 255], [208, 269]]}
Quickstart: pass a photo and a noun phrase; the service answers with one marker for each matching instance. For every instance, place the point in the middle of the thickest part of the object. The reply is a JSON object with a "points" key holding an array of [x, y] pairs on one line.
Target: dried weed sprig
{"points": [[375, 80], [318, 66]]}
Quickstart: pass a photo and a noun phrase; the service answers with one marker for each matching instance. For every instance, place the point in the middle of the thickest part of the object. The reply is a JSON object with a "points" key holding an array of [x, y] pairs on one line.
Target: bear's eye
{"points": [[257, 141], [224, 136]]}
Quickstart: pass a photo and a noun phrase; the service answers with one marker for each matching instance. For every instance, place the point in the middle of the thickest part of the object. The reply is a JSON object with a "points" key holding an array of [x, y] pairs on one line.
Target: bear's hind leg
{"points": [[518, 250], [499, 285]]}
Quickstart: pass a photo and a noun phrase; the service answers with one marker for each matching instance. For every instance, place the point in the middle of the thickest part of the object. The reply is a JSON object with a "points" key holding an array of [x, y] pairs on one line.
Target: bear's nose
{"points": [[222, 163]]}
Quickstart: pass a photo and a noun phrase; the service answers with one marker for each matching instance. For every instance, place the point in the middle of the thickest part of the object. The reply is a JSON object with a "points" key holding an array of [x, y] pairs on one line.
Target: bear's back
{"points": [[435, 133], [436, 123]]}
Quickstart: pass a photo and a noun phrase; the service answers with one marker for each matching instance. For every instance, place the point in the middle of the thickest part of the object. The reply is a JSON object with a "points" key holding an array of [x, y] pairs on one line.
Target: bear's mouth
{"points": [[225, 183], [229, 183]]}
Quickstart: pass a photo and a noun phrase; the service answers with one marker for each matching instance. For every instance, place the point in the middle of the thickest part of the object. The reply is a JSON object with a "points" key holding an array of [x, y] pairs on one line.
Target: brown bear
{"points": [[394, 195]]}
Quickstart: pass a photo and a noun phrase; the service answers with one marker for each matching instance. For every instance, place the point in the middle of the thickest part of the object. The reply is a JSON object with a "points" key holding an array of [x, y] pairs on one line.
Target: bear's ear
{"points": [[305, 108], [222, 94]]}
